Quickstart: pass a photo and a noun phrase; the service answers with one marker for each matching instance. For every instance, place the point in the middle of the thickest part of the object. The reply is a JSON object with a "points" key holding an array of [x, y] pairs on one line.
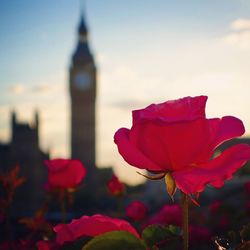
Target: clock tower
{"points": [[82, 83]]}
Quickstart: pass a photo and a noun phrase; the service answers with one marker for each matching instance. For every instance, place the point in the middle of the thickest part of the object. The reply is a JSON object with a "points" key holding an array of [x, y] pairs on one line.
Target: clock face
{"points": [[82, 80]]}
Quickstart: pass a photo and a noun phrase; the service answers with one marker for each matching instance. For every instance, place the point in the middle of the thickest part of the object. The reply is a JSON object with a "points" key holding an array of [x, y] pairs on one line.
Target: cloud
{"points": [[40, 89], [129, 104], [240, 24], [51, 85], [17, 89], [239, 37], [37, 90]]}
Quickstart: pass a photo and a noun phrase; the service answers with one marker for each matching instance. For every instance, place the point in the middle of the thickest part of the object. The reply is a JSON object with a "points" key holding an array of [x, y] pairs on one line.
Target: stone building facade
{"points": [[23, 150]]}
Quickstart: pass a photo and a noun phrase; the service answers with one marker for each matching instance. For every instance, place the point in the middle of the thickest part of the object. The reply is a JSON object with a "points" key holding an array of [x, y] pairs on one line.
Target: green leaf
{"points": [[161, 236], [76, 245], [120, 240]]}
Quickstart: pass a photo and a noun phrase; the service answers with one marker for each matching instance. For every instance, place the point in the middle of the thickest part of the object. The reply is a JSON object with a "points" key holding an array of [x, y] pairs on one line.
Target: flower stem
{"points": [[184, 203]]}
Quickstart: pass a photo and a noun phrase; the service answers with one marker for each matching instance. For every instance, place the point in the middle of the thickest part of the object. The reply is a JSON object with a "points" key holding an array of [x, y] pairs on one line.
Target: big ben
{"points": [[82, 81]]}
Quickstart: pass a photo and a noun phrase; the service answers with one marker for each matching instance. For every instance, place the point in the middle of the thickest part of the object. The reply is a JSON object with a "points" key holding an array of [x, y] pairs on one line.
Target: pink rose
{"points": [[215, 207], [168, 215], [64, 173], [136, 210], [90, 226], [115, 187], [199, 235], [176, 138]]}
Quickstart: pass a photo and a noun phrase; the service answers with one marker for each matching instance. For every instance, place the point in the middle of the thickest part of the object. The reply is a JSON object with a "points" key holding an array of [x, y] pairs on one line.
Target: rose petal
{"points": [[220, 130], [184, 109], [214, 172], [47, 245], [131, 154], [90, 226], [64, 233], [168, 214], [171, 146], [229, 127]]}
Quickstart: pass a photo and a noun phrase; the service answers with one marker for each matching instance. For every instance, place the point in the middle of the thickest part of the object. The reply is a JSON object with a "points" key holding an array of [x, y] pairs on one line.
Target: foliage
{"points": [[161, 237], [115, 240]]}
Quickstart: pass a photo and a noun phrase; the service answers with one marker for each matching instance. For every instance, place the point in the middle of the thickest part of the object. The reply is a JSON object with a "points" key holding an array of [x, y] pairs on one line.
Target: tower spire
{"points": [[82, 8], [82, 53], [82, 29]]}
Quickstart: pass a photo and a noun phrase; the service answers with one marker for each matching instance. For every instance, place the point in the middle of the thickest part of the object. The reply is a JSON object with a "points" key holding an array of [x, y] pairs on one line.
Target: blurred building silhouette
{"points": [[82, 86], [23, 150]]}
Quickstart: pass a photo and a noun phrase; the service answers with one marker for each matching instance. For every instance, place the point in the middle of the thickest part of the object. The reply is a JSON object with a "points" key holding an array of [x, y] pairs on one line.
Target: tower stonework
{"points": [[82, 83]]}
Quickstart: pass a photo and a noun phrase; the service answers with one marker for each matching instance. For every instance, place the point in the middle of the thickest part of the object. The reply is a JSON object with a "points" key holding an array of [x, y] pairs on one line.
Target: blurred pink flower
{"points": [[176, 139], [136, 210], [214, 207], [6, 245], [199, 235], [47, 245], [248, 207], [115, 186], [9, 245], [90, 226], [247, 187], [223, 222], [168, 214], [64, 173]]}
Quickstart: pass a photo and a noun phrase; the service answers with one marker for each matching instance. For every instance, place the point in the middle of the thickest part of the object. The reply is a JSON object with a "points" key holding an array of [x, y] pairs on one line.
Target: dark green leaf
{"points": [[120, 240], [156, 235], [76, 245]]}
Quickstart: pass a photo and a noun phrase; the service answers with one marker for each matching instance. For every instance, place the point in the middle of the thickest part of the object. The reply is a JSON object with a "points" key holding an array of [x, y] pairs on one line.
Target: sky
{"points": [[145, 51]]}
